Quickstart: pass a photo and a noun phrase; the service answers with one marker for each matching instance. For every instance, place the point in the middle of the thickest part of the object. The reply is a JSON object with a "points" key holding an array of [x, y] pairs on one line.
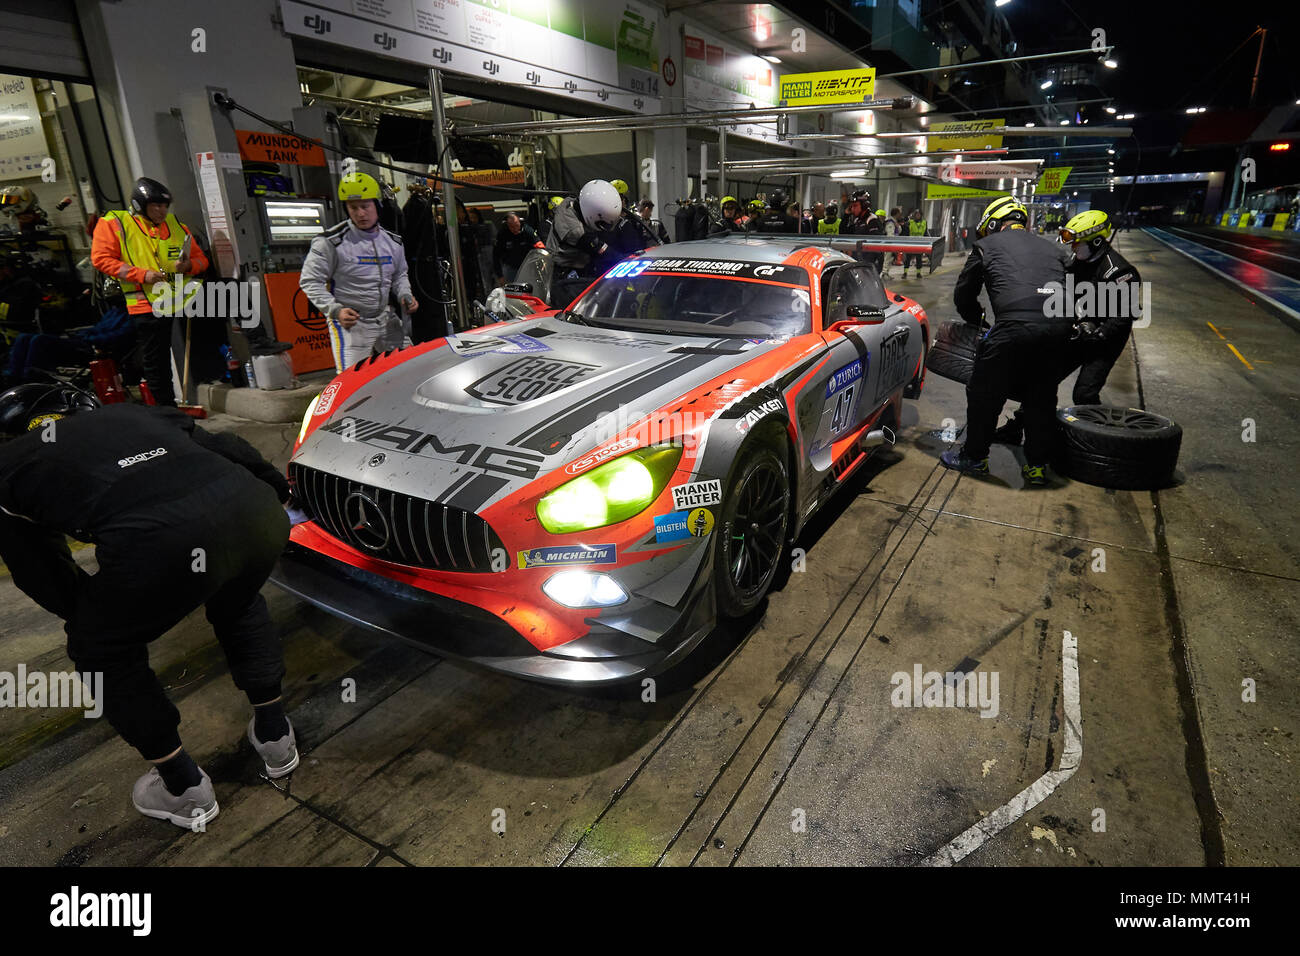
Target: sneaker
{"points": [[1012, 433], [953, 459], [279, 756], [192, 809], [1035, 475]]}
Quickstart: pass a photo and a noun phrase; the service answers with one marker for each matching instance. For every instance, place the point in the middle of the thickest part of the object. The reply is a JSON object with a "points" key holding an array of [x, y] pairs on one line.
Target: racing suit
{"points": [[1025, 351], [179, 517], [572, 247], [349, 268], [1099, 355], [870, 225]]}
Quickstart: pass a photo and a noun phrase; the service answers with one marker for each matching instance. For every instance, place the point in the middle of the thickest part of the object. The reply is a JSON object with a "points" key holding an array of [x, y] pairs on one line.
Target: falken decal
{"points": [[586, 461], [697, 493], [755, 415], [568, 554]]}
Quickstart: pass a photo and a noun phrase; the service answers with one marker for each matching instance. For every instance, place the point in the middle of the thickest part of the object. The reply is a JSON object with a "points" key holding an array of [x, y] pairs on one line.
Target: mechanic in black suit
{"points": [[180, 518]]}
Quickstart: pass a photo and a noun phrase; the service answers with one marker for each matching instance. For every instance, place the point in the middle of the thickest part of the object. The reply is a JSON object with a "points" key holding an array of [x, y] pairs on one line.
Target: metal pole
{"points": [[722, 161], [951, 67], [448, 196], [704, 170]]}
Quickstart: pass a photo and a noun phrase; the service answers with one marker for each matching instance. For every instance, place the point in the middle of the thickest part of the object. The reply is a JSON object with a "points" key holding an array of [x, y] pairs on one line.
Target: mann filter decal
{"points": [[697, 493], [568, 554], [528, 379]]}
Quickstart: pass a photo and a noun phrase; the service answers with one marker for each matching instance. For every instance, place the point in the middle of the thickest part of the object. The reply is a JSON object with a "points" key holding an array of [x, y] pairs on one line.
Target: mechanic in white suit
{"points": [[349, 273]]}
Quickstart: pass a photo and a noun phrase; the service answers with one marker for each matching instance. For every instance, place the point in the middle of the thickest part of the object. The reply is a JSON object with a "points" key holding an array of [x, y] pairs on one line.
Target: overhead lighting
{"points": [[770, 58], [1196, 109], [1000, 3], [1109, 63], [1045, 85], [925, 121], [1031, 123], [1065, 122], [1110, 152], [1110, 109], [850, 173], [1279, 147]]}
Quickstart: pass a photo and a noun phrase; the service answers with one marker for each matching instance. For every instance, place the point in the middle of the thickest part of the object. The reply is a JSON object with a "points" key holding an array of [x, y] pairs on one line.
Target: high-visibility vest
{"points": [[144, 247], [831, 226], [916, 227]]}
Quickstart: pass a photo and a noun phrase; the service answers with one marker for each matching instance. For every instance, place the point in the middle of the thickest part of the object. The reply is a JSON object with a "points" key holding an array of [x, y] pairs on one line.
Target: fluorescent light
{"points": [[1110, 109], [1109, 63], [1110, 152], [1045, 85], [1065, 122], [1000, 3], [1031, 123], [770, 58], [850, 173], [925, 121]]}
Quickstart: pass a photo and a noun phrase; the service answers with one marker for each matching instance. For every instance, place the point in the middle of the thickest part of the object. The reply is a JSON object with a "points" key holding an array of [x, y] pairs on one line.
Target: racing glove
{"points": [[1088, 333]]}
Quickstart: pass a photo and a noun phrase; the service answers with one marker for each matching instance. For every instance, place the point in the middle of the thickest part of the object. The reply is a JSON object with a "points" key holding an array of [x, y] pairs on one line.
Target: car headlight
{"points": [[609, 493], [306, 419]]}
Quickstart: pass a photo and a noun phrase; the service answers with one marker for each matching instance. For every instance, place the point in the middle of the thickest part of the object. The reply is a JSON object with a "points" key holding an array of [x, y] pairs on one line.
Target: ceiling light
{"points": [[1045, 85], [770, 58], [1109, 63], [1110, 109], [1110, 152], [1000, 3], [850, 174], [1065, 122], [1031, 123]]}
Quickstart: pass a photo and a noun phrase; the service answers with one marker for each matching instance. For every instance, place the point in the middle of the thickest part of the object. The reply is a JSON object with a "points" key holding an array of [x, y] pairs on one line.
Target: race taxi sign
{"points": [[965, 134], [828, 86], [1052, 181], [941, 191], [257, 147]]}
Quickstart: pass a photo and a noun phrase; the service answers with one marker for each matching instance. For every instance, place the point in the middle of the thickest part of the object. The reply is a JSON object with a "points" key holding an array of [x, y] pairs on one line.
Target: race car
{"points": [[580, 495]]}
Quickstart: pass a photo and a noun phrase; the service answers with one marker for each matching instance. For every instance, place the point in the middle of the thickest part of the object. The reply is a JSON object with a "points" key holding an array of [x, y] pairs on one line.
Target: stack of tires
{"points": [[952, 354]]}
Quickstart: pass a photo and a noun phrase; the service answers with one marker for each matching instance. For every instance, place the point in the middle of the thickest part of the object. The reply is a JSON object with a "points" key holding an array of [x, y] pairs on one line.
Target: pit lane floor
{"points": [[777, 743]]}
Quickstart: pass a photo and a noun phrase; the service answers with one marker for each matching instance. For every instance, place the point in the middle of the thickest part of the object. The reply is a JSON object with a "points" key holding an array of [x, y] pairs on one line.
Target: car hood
{"points": [[480, 416]]}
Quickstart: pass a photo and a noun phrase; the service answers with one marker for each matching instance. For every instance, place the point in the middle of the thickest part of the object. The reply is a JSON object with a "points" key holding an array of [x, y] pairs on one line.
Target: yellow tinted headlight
{"points": [[609, 493]]}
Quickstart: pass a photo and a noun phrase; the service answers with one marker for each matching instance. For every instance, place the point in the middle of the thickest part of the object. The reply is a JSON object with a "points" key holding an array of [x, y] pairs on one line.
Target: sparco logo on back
{"points": [[143, 456]]}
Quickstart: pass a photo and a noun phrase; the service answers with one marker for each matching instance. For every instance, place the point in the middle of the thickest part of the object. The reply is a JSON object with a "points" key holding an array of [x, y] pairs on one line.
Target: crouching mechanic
{"points": [[575, 242], [1023, 353], [1099, 339], [349, 274], [180, 518]]}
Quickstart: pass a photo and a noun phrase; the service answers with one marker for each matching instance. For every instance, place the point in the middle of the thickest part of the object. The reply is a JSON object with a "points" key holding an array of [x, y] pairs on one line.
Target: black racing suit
{"points": [[1099, 357], [871, 225], [775, 220], [1023, 354], [179, 519]]}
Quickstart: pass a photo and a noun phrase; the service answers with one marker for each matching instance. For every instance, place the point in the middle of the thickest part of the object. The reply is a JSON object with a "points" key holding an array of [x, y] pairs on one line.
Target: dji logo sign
{"points": [[533, 77], [441, 54], [492, 67], [384, 41], [570, 86], [316, 24]]}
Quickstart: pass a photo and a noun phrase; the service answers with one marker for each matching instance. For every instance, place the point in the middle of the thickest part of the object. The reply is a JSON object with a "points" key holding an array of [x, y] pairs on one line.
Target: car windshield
{"points": [[747, 300]]}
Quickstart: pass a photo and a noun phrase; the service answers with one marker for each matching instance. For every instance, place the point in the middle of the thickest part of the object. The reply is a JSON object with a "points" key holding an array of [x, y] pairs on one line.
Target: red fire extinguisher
{"points": [[107, 382]]}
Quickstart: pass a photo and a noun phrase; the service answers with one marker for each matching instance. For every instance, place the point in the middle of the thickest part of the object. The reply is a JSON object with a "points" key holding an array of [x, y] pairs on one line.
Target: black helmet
{"points": [[777, 200], [832, 211], [146, 191], [862, 196], [24, 407]]}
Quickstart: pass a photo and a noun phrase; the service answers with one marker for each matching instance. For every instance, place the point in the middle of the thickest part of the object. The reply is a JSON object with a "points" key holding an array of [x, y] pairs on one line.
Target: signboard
{"points": [[214, 211], [591, 50], [939, 191], [828, 86], [720, 76], [22, 140], [1052, 181], [260, 147], [513, 176], [964, 134], [299, 322], [1019, 169]]}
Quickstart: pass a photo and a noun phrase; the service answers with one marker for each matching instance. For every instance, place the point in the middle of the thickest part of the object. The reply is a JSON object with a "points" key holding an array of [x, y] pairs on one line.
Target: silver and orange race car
{"points": [[578, 496]]}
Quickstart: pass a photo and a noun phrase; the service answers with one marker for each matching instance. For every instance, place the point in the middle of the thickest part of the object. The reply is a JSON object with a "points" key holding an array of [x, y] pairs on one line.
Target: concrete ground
{"points": [[777, 742]]}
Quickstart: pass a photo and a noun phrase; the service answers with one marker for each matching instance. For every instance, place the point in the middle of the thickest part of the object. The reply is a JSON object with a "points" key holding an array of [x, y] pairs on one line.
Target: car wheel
{"points": [[952, 354], [751, 529], [1124, 448]]}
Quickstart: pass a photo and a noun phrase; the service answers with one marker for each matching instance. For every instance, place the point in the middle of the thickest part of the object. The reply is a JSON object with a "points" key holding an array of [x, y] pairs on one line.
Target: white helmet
{"points": [[601, 205]]}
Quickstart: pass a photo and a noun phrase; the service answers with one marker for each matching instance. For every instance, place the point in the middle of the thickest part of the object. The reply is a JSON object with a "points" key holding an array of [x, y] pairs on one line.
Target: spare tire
{"points": [[952, 355], [1126, 448]]}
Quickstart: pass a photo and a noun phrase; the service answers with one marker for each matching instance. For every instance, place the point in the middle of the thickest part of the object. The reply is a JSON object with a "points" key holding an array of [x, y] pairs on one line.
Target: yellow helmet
{"points": [[620, 186], [555, 201], [1092, 227], [999, 212], [358, 186], [730, 199]]}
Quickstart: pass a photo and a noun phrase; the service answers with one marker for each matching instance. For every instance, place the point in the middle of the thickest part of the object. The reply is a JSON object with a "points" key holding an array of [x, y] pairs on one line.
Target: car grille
{"points": [[406, 530]]}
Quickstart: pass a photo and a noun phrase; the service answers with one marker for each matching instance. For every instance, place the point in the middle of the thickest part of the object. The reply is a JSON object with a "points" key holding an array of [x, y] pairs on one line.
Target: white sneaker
{"points": [[192, 810]]}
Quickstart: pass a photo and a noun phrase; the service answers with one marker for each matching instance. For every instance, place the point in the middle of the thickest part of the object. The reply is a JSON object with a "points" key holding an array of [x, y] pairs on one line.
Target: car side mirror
{"points": [[859, 315]]}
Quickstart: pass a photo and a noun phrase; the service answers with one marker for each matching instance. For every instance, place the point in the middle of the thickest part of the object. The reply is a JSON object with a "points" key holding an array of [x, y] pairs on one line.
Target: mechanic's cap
{"points": [[1091, 226], [358, 186], [1002, 210], [620, 186], [25, 408], [554, 201]]}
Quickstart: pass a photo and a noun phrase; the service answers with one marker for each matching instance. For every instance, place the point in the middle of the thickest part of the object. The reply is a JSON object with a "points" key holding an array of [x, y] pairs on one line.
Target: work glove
{"points": [[1088, 333]]}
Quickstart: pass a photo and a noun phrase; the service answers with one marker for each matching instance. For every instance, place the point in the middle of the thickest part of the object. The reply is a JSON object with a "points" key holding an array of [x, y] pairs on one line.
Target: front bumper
{"points": [[463, 632]]}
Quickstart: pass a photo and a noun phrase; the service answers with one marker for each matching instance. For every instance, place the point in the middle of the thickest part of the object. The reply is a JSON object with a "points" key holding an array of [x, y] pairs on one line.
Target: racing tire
{"points": [[952, 353], [751, 529], [1122, 448]]}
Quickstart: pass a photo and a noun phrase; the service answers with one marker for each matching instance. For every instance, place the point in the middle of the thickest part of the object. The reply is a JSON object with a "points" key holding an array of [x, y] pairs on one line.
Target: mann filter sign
{"points": [[965, 134], [1052, 181], [829, 86]]}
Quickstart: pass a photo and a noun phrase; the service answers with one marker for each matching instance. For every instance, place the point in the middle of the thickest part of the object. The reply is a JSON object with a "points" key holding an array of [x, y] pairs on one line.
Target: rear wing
{"points": [[932, 246]]}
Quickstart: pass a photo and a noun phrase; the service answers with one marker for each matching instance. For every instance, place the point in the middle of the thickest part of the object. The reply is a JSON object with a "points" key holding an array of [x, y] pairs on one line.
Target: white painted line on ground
{"points": [[1219, 272], [968, 841]]}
